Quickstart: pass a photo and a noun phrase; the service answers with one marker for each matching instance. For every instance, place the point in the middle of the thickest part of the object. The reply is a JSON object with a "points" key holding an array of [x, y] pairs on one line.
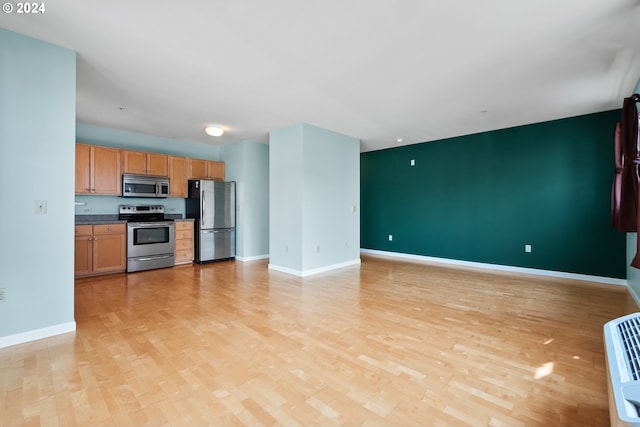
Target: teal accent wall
{"points": [[482, 197], [37, 151]]}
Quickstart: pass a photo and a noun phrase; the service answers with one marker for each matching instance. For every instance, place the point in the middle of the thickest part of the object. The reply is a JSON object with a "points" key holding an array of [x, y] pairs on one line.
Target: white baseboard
{"points": [[37, 334], [306, 273], [539, 272], [634, 295], [252, 258]]}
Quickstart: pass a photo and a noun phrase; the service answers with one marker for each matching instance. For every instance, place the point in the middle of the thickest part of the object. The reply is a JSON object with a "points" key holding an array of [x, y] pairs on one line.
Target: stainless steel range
{"points": [[150, 237]]}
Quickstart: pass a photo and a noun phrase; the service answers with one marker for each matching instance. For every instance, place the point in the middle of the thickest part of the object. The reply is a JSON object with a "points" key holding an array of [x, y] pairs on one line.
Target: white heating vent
{"points": [[622, 347]]}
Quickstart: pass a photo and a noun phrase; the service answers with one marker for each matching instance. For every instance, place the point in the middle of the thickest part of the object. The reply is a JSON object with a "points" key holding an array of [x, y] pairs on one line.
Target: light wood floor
{"points": [[387, 343]]}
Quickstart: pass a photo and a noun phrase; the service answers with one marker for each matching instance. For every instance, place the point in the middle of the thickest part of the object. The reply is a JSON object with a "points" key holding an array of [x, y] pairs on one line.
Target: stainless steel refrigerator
{"points": [[213, 206]]}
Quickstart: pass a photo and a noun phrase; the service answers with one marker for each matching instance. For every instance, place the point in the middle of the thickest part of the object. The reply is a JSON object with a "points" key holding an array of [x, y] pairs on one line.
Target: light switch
{"points": [[41, 207]]}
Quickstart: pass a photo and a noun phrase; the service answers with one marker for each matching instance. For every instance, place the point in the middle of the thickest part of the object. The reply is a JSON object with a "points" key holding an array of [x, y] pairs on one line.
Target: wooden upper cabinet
{"points": [[206, 169], [134, 162], [98, 170], [178, 176], [216, 170], [83, 169], [106, 174], [142, 163], [157, 164], [197, 169]]}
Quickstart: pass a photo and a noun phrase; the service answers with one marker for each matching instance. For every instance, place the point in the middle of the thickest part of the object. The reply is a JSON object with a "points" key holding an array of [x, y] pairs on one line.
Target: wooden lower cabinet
{"points": [[184, 242], [100, 249], [83, 250]]}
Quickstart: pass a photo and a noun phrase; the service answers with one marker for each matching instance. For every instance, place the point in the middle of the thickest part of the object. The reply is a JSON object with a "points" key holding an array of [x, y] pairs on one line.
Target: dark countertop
{"points": [[98, 219], [113, 219]]}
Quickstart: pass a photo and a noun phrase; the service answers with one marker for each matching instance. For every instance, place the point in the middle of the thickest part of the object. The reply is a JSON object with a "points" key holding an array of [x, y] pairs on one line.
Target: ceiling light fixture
{"points": [[214, 130]]}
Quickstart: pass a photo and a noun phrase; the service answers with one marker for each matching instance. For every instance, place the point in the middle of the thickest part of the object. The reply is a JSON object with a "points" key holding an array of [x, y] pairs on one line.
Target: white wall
{"points": [[315, 200], [633, 274], [37, 162], [285, 198], [247, 163], [95, 135], [256, 200]]}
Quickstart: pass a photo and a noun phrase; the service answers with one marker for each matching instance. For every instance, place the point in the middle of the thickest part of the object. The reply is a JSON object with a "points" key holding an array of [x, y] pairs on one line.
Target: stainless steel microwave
{"points": [[144, 186]]}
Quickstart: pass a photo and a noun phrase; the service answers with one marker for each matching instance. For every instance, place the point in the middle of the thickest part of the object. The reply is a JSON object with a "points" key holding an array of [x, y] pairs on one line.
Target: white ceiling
{"points": [[376, 70]]}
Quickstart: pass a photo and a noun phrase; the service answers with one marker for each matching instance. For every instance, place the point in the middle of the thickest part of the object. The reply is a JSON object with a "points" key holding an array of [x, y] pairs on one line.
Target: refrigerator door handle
{"points": [[203, 210]]}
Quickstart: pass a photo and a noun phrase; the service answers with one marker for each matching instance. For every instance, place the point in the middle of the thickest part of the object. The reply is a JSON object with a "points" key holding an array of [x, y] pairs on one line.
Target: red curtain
{"points": [[624, 195]]}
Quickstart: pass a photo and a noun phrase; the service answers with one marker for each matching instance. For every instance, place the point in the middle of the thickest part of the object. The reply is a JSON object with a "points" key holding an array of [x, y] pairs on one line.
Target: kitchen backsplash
{"points": [[108, 205]]}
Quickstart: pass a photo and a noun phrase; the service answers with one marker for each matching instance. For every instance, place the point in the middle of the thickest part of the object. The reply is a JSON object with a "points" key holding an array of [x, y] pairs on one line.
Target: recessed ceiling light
{"points": [[399, 140], [214, 130]]}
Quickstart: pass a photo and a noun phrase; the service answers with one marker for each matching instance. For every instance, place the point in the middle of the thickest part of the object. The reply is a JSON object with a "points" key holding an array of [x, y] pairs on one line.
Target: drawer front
{"points": [[84, 230], [184, 244], [184, 225], [184, 234], [184, 256], [109, 229]]}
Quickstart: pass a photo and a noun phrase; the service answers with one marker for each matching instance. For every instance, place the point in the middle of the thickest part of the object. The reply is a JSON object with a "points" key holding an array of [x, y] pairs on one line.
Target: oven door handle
{"points": [[151, 258], [151, 224]]}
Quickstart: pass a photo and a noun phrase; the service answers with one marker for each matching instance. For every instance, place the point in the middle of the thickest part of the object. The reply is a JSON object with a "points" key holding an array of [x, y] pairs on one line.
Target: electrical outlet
{"points": [[390, 237], [527, 248], [3, 295], [413, 162]]}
